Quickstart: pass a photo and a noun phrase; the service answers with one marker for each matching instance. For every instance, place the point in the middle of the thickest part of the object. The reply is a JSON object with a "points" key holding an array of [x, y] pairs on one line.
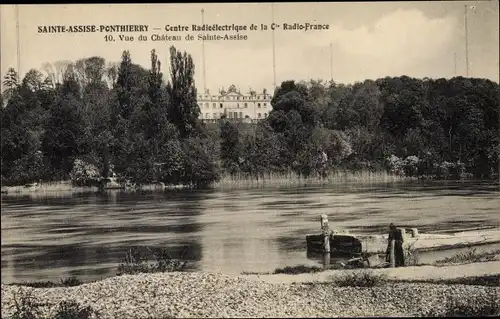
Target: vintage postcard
{"points": [[250, 159]]}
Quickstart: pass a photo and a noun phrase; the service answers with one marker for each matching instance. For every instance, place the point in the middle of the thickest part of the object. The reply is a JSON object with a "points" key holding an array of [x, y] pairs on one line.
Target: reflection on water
{"points": [[47, 237]]}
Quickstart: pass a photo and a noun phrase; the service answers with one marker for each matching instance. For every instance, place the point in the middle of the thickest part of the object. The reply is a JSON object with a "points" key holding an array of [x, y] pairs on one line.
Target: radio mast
{"points": [[274, 51], [18, 46], [203, 53]]}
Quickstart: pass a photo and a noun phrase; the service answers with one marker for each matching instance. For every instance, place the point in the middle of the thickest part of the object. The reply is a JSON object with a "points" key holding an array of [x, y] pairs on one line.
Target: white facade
{"points": [[248, 107]]}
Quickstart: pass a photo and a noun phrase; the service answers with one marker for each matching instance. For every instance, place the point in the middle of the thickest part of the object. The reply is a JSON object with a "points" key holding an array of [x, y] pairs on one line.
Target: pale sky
{"points": [[369, 40]]}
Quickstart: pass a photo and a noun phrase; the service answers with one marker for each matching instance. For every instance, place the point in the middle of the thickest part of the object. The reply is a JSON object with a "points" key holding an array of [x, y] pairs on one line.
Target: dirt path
{"points": [[406, 273]]}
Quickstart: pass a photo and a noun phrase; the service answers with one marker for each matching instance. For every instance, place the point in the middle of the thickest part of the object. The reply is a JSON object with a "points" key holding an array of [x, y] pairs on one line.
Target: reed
{"points": [[294, 179], [45, 187], [226, 181]]}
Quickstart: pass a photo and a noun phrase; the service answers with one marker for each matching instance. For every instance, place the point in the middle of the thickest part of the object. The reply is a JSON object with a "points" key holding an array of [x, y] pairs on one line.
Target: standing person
{"points": [[397, 236]]}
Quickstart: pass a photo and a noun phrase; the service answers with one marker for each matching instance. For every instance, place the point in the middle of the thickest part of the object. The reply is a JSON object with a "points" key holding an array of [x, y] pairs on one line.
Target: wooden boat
{"points": [[340, 244]]}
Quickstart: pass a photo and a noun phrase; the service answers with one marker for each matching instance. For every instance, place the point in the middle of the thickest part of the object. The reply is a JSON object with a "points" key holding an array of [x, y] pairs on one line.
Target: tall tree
{"points": [[10, 83], [66, 132], [183, 109]]}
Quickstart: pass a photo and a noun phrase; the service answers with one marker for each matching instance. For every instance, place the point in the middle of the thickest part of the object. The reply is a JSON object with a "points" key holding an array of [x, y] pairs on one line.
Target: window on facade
{"points": [[238, 105], [238, 97], [241, 115], [246, 105], [265, 104], [265, 114], [258, 115], [221, 105], [258, 104], [214, 105], [230, 114]]}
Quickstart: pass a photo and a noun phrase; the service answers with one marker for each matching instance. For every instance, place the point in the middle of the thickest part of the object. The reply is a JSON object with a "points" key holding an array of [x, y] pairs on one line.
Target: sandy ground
{"points": [[404, 273], [212, 295]]}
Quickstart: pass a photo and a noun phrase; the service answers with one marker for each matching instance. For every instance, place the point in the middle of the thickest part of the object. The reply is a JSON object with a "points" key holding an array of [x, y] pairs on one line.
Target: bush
{"points": [[300, 269], [135, 263], [199, 163], [395, 165], [84, 174], [66, 282], [472, 306], [71, 282], [72, 310], [412, 256], [469, 256], [360, 279], [26, 307]]}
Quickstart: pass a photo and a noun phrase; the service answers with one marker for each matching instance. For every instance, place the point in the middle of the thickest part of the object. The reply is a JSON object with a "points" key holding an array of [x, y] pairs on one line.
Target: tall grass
{"points": [[469, 256], [294, 179], [228, 181], [364, 278], [412, 257], [300, 269], [135, 262], [26, 307], [45, 187]]}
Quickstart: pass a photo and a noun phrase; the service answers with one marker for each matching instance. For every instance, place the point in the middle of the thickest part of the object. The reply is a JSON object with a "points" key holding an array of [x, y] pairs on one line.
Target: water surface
{"points": [[50, 236]]}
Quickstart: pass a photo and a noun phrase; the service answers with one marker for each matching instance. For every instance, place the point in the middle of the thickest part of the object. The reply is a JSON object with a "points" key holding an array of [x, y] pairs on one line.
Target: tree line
{"points": [[84, 120]]}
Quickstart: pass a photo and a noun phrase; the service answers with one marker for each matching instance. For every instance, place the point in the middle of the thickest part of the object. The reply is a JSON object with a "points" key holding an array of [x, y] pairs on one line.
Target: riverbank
{"points": [[46, 187], [225, 182], [424, 272], [184, 294]]}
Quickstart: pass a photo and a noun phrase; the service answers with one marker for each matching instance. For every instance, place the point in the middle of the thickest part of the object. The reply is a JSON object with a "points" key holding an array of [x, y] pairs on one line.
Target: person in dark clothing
{"points": [[397, 236]]}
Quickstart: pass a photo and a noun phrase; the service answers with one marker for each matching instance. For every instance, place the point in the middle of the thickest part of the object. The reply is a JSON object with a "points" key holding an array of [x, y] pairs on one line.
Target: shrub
{"points": [[410, 165], [412, 256], [70, 309], [300, 269], [473, 306], [71, 282], [26, 307], [65, 282], [360, 279], [135, 262], [84, 174], [199, 167], [469, 256], [395, 165]]}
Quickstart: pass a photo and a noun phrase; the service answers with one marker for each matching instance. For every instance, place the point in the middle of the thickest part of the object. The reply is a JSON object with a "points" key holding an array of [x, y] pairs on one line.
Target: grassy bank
{"points": [[226, 181], [45, 187]]}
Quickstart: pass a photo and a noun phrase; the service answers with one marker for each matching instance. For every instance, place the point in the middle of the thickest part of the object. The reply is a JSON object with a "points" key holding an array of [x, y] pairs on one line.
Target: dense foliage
{"points": [[86, 119]]}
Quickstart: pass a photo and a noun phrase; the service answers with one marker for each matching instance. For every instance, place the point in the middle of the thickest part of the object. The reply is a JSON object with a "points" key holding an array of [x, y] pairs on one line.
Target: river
{"points": [[49, 236]]}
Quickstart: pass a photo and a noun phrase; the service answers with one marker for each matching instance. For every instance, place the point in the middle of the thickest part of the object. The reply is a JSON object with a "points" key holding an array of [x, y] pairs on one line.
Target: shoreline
{"points": [[228, 183]]}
